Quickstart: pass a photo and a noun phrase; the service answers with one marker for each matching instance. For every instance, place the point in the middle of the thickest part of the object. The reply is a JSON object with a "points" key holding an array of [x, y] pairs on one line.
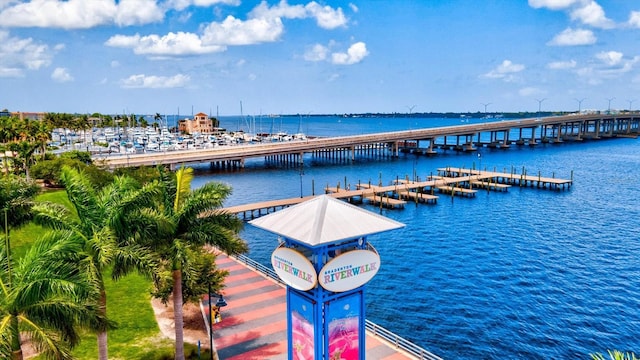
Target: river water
{"points": [[528, 273]]}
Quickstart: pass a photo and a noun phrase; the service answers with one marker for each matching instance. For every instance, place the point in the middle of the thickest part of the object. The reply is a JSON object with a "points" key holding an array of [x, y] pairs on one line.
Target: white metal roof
{"points": [[324, 220]]}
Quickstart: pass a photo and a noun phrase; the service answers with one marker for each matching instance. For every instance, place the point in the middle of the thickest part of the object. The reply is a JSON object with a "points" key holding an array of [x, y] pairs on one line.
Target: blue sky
{"points": [[318, 57]]}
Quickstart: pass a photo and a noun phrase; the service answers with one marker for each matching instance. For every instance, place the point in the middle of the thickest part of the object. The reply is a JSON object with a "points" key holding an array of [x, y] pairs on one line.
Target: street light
{"points": [[485, 108], [219, 303], [580, 104], [630, 102], [609, 108], [540, 105]]}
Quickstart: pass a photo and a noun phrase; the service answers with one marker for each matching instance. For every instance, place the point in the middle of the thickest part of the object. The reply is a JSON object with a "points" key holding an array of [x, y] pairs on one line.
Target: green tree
{"points": [[111, 221], [195, 220], [48, 296]]}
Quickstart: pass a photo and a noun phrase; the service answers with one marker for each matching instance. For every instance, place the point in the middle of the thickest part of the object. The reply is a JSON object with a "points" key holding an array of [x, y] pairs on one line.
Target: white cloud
{"points": [[552, 4], [171, 44], [610, 65], [591, 13], [634, 19], [587, 12], [155, 82], [571, 37], [355, 54], [81, 14], [316, 53], [326, 16], [610, 58], [353, 7], [18, 55], [505, 71], [562, 65], [233, 31], [183, 4], [530, 91], [61, 75]]}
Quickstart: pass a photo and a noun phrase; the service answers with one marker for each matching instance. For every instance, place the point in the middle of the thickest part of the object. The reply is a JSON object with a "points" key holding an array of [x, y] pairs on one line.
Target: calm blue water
{"points": [[526, 274]]}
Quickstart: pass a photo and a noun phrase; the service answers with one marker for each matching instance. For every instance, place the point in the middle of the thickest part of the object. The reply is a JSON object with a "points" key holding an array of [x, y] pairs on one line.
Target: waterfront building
{"points": [[201, 123]]}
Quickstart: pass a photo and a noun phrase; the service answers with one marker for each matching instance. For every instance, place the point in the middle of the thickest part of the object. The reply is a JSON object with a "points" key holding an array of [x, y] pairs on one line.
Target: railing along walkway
{"points": [[375, 330]]}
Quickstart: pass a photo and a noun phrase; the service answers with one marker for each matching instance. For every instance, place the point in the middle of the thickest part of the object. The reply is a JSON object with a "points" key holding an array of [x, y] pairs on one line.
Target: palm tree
{"points": [[48, 296], [196, 220], [111, 221], [615, 355]]}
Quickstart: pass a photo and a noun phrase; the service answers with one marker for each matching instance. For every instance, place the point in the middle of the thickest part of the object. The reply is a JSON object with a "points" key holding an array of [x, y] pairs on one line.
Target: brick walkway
{"points": [[254, 323]]}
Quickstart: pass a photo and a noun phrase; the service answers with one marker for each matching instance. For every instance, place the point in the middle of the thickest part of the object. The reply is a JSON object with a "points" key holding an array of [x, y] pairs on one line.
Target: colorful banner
{"points": [[343, 316], [302, 331]]}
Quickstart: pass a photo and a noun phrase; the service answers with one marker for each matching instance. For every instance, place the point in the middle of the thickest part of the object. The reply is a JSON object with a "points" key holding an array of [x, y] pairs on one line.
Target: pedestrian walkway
{"points": [[254, 323]]}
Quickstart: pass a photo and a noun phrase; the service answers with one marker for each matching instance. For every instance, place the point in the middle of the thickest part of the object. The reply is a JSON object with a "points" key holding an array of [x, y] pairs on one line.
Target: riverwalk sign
{"points": [[325, 260]]}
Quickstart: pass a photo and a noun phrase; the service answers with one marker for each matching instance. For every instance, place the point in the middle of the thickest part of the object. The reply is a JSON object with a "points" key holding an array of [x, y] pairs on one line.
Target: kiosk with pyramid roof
{"points": [[325, 260]]}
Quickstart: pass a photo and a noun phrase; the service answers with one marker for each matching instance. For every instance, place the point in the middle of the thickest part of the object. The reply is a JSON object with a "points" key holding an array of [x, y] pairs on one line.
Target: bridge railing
{"points": [[378, 331]]}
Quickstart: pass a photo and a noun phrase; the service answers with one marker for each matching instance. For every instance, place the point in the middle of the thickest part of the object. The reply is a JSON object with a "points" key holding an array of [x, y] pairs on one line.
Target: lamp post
{"points": [[540, 105], [485, 108], [630, 102], [219, 303], [609, 108], [580, 104]]}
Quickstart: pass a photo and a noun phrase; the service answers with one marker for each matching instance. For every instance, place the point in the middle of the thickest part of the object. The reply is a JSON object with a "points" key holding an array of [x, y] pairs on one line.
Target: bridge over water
{"points": [[466, 137]]}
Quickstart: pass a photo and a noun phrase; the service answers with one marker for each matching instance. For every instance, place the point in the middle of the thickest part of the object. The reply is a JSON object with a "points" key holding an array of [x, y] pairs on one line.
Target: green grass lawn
{"points": [[128, 304]]}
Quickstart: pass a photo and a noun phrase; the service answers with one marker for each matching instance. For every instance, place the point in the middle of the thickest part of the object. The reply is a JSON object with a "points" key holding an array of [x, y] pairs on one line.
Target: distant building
{"points": [[201, 123], [28, 115], [5, 113]]}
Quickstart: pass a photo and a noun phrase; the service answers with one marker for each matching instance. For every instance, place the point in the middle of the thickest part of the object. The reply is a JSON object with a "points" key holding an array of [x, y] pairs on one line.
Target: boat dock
{"points": [[449, 181]]}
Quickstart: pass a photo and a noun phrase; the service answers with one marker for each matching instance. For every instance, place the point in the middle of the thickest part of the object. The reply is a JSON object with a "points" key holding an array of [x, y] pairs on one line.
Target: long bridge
{"points": [[467, 137]]}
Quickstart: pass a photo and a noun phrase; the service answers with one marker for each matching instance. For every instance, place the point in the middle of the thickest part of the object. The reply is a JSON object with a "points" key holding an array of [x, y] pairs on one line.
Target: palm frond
{"points": [[82, 195], [53, 216], [184, 176]]}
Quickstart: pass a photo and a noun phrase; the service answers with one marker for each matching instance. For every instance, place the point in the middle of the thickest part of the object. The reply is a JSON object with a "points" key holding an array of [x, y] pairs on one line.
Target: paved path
{"points": [[254, 323]]}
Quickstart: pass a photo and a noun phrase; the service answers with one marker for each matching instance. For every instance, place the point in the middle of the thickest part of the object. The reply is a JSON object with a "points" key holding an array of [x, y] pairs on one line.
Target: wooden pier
{"points": [[450, 181]]}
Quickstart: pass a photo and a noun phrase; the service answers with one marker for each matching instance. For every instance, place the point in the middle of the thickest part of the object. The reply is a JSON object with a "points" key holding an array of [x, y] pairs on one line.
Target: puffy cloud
{"points": [[562, 65], [281, 10], [610, 58], [587, 12], [233, 31], [355, 54], [505, 71], [610, 65], [155, 82], [18, 55], [80, 14], [180, 43], [264, 24], [591, 13], [61, 75], [573, 37], [326, 17], [316, 53], [634, 19]]}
